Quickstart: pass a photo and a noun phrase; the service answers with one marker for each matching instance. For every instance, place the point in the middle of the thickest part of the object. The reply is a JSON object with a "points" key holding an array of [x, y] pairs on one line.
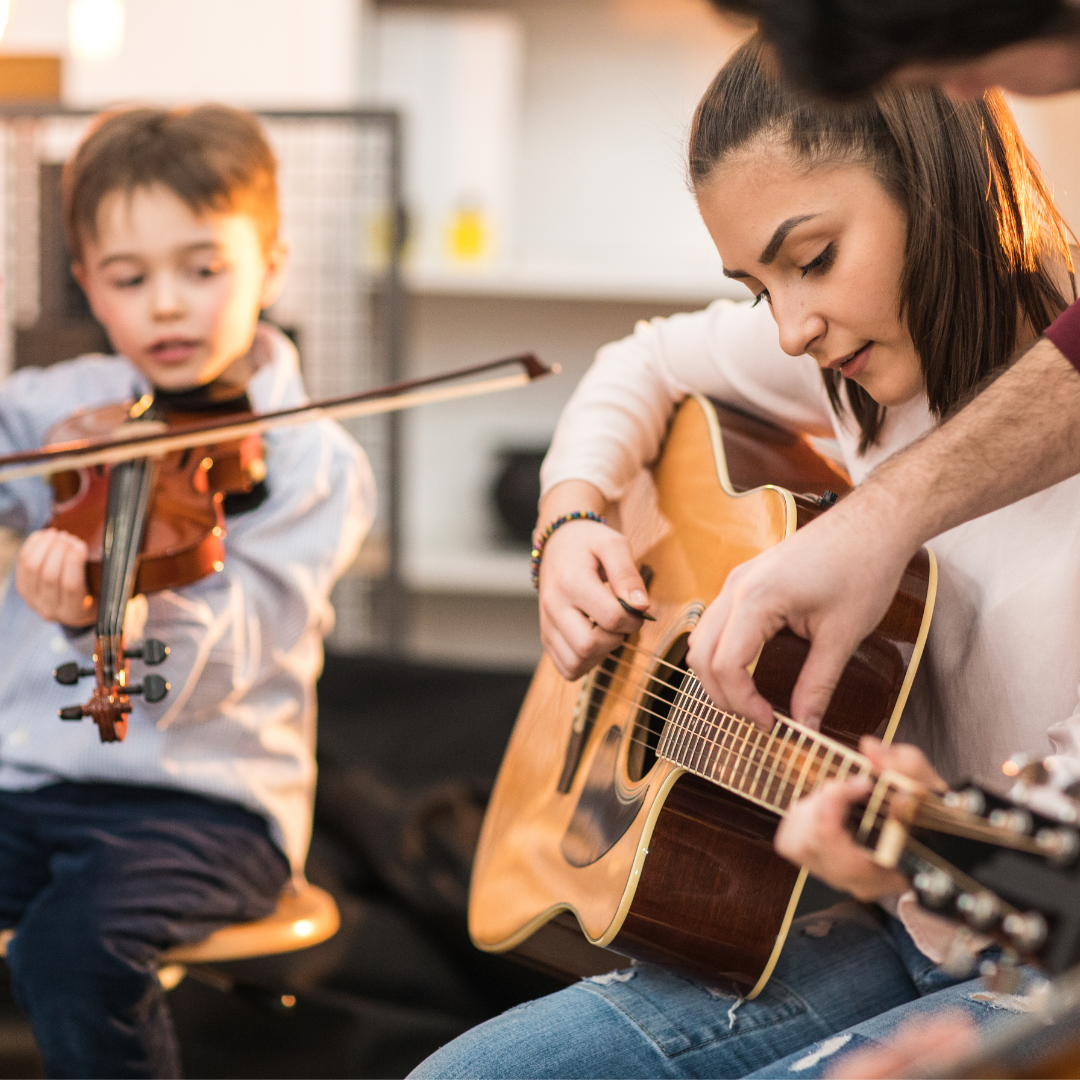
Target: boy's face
{"points": [[178, 292]]}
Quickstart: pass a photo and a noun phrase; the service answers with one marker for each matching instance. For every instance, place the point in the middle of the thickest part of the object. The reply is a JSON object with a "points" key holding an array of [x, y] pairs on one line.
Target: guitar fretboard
{"points": [[773, 769]]}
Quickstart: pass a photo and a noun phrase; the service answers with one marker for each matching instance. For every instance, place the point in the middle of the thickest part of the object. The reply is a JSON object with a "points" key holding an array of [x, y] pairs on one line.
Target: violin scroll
{"points": [[110, 702]]}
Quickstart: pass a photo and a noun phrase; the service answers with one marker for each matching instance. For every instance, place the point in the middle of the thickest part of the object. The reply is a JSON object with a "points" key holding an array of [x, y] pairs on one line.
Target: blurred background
{"points": [[460, 181]]}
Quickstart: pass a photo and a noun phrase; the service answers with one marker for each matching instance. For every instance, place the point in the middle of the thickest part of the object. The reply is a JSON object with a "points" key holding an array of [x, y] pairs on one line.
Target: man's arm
{"points": [[833, 581]]}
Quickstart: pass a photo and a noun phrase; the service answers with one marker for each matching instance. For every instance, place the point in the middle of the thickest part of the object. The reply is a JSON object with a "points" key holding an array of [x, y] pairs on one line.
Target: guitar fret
{"points": [[748, 752], [697, 727], [704, 737], [680, 741], [765, 771], [823, 771], [716, 749], [754, 761], [777, 756], [802, 775], [707, 767], [746, 730], [723, 758], [795, 750], [842, 773]]}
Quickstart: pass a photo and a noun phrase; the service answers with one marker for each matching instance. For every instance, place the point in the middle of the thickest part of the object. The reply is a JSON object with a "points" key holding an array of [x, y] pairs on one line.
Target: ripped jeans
{"points": [[846, 976]]}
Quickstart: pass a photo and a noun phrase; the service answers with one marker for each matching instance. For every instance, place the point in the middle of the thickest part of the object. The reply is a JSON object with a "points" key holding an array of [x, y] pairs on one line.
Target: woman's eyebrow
{"points": [[772, 248]]}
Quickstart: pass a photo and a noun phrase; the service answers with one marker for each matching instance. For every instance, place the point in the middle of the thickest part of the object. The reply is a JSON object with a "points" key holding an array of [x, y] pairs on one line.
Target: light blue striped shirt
{"points": [[246, 643]]}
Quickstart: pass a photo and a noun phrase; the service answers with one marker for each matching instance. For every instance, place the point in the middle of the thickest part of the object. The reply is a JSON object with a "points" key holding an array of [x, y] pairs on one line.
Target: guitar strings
{"points": [[678, 713], [805, 759], [777, 758]]}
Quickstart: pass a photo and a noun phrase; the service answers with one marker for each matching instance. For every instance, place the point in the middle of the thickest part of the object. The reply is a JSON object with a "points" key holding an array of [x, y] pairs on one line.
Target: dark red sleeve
{"points": [[1064, 332]]}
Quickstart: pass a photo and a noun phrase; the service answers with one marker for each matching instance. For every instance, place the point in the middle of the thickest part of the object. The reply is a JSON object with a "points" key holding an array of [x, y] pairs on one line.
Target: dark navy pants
{"points": [[98, 880]]}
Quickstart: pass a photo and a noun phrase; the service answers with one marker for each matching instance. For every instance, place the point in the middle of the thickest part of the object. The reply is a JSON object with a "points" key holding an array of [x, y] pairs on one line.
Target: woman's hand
{"points": [[584, 568], [50, 576], [815, 835]]}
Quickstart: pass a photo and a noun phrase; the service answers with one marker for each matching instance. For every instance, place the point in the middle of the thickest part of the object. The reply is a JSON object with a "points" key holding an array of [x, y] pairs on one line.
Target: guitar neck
{"points": [[772, 769]]}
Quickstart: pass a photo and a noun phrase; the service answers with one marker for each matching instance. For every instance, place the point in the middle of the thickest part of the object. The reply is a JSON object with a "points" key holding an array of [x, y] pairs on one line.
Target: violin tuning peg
{"points": [[153, 688], [69, 674], [71, 712], [151, 652]]}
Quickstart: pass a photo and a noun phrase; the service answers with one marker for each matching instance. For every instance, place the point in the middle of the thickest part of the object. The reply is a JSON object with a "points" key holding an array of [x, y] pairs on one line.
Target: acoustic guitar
{"points": [[630, 816]]}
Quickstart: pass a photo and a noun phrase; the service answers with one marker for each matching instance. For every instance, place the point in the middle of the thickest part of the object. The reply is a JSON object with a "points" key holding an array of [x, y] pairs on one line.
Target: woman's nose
{"points": [[799, 326]]}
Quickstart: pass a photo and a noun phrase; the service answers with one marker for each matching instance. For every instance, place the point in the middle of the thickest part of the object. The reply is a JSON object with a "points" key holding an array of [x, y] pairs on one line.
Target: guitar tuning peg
{"points": [[1061, 846], [1028, 931], [1001, 976], [934, 886], [970, 801], [71, 712], [1013, 820], [69, 674], [981, 909], [151, 652], [960, 959], [153, 688]]}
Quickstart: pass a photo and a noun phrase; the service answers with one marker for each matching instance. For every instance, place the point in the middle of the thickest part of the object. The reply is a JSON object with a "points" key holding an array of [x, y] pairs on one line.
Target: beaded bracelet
{"points": [[545, 536]]}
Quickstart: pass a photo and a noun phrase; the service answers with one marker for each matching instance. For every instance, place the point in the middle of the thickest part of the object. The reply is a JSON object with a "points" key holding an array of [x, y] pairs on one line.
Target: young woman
{"points": [[901, 250]]}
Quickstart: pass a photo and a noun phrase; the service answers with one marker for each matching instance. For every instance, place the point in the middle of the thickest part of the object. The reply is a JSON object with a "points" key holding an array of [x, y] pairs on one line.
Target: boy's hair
{"points": [[844, 47], [212, 157], [985, 242]]}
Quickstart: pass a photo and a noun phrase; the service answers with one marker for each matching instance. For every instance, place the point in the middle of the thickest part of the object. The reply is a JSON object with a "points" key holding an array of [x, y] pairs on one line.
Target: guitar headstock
{"points": [[1003, 867]]}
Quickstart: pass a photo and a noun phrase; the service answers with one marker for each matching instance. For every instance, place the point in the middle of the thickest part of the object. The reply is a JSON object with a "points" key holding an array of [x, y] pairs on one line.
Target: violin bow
{"points": [[428, 390]]}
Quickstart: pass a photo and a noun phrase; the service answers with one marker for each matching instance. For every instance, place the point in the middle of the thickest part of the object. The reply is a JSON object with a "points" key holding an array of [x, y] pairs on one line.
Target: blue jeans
{"points": [[98, 880], [840, 968]]}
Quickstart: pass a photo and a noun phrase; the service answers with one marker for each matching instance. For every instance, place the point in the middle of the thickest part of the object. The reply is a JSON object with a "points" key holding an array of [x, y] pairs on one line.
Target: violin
{"points": [[149, 525], [147, 486]]}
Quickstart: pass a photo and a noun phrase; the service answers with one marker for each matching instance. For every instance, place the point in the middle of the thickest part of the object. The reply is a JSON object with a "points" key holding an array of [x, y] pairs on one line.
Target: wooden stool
{"points": [[305, 915]]}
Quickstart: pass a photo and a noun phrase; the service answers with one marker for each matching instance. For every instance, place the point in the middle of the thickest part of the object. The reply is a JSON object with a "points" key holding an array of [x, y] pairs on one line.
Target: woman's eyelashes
{"points": [[822, 263]]}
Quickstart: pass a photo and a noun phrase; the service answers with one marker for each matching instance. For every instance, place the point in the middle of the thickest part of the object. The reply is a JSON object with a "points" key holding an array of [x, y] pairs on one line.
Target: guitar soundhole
{"points": [[658, 694]]}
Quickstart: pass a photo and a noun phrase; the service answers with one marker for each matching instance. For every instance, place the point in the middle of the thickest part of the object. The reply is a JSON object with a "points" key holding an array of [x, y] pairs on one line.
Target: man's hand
{"points": [[832, 582], [585, 567], [50, 576], [827, 583], [815, 835]]}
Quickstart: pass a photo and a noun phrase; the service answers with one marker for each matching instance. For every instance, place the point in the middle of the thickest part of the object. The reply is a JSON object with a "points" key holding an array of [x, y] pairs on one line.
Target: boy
{"points": [[112, 853]]}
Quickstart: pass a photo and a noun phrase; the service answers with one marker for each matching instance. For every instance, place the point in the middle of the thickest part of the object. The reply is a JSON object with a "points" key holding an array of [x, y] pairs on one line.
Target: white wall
{"points": [[256, 53]]}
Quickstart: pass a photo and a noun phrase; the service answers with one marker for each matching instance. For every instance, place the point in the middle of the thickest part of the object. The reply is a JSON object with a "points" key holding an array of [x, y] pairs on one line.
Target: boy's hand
{"points": [[50, 576], [815, 835]]}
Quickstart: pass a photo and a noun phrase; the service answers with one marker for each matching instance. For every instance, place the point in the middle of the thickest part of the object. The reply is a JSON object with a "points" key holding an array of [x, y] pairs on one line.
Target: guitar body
{"points": [[587, 832]]}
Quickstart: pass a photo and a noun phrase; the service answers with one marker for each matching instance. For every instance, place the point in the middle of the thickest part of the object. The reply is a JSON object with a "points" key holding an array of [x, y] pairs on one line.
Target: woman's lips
{"points": [[852, 366], [173, 351]]}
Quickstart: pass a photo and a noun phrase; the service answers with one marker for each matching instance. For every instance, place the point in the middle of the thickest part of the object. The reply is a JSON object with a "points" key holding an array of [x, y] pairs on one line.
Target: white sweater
{"points": [[239, 721], [1002, 664]]}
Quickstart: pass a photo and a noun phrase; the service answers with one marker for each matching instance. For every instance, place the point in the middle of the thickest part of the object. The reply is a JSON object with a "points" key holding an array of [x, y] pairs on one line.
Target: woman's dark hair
{"points": [[985, 243], [845, 47]]}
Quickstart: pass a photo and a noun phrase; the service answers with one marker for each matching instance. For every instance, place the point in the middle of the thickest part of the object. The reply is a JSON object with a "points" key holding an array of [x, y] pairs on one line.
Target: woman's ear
{"points": [[277, 263]]}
